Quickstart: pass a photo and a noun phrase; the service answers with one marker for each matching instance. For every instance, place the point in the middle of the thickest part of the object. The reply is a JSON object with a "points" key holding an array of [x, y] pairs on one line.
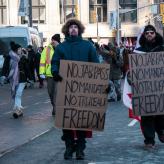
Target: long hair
{"points": [[72, 21]]}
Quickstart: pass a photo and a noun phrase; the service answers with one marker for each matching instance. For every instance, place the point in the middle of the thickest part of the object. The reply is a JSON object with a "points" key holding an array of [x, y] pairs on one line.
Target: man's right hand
{"points": [[57, 78]]}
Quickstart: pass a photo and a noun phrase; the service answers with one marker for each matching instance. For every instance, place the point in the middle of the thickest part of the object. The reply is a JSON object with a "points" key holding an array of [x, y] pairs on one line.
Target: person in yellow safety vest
{"points": [[45, 69]]}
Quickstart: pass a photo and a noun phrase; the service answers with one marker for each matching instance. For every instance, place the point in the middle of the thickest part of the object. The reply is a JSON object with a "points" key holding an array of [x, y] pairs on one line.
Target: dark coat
{"points": [[23, 69], [115, 62], [76, 49]]}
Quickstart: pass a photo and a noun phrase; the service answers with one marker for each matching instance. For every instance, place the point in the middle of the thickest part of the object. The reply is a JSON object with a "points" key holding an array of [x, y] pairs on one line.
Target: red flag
{"points": [[127, 99]]}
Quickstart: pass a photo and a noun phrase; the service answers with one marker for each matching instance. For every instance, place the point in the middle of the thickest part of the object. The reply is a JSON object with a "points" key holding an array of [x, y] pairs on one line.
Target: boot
{"points": [[17, 113], [80, 149], [69, 149]]}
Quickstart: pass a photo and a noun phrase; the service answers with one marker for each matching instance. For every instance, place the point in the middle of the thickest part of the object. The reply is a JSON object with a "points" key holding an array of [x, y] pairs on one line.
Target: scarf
{"points": [[14, 72]]}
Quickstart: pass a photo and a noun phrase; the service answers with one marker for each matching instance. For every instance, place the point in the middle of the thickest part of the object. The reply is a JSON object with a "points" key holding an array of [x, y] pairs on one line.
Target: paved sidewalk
{"points": [[117, 144]]}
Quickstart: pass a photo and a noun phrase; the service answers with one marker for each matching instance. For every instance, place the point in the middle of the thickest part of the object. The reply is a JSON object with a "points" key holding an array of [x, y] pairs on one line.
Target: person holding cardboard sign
{"points": [[76, 49], [151, 41]]}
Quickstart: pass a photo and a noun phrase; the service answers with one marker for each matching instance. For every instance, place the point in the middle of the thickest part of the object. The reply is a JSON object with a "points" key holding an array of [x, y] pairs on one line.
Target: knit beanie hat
{"points": [[14, 46], [56, 37], [149, 28]]}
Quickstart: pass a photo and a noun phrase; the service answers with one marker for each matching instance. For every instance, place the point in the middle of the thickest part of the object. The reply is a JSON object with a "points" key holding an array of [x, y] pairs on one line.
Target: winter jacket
{"points": [[116, 64], [76, 49], [24, 73]]}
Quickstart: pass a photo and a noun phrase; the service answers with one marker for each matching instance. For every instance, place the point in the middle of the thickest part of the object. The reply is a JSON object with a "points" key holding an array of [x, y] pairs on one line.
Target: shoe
{"points": [[79, 155], [161, 138], [68, 153], [41, 86], [17, 113], [149, 146]]}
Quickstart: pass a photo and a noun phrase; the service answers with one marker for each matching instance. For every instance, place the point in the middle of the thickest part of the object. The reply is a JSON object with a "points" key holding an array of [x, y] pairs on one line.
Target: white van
{"points": [[19, 34]]}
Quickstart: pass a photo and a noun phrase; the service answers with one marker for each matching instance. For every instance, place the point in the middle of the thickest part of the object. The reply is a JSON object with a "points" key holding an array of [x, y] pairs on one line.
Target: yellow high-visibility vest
{"points": [[45, 61]]}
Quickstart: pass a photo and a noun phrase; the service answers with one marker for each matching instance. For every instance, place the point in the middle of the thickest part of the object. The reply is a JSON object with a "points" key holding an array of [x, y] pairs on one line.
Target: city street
{"points": [[33, 139]]}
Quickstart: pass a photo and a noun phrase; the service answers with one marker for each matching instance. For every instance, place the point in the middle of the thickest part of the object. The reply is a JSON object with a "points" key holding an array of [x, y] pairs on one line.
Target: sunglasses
{"points": [[149, 32]]}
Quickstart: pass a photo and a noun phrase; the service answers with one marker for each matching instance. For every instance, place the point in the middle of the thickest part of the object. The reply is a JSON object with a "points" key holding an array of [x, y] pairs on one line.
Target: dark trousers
{"points": [[150, 125], [69, 134], [68, 137], [51, 87], [38, 75]]}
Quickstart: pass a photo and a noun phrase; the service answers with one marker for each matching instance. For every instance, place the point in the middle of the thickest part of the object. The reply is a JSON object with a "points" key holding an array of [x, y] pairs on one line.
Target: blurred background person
{"points": [[37, 65], [31, 61], [18, 74], [111, 55], [45, 69]]}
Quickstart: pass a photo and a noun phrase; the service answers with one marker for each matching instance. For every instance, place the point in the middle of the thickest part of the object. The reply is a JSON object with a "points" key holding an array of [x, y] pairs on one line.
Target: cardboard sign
{"points": [[147, 76], [81, 101]]}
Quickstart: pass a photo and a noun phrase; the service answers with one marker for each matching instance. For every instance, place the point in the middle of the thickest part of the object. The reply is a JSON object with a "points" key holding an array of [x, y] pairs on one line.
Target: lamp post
{"points": [[73, 8], [97, 26], [62, 8], [30, 13], [118, 24]]}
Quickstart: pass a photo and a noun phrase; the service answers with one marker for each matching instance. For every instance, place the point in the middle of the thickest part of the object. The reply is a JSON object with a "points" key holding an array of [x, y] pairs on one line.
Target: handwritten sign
{"points": [[81, 99], [147, 76]]}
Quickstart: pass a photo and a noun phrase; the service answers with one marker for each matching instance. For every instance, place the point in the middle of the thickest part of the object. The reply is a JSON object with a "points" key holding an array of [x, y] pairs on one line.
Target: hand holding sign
{"points": [[57, 78], [81, 100]]}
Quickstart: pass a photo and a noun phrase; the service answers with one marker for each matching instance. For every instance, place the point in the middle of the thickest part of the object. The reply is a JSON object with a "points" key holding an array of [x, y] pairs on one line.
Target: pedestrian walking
{"points": [[31, 61], [151, 41], [18, 74], [45, 69], [76, 49], [112, 56], [37, 66]]}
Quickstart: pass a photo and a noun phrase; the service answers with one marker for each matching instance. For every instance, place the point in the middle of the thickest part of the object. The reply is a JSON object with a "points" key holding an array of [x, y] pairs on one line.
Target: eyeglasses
{"points": [[149, 32]]}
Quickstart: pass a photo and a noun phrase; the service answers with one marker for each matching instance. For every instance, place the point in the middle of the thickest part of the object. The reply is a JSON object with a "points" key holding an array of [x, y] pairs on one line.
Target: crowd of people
{"points": [[20, 66]]}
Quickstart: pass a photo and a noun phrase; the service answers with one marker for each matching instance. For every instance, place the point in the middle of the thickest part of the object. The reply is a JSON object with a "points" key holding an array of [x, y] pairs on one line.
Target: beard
{"points": [[74, 33]]}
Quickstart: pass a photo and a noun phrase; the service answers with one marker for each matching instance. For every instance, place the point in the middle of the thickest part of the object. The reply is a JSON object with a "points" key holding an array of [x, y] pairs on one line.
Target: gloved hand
{"points": [[42, 76], [57, 78], [107, 90]]}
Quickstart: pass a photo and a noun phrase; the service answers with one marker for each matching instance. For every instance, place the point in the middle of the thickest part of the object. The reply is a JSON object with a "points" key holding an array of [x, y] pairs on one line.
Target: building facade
{"points": [[98, 16]]}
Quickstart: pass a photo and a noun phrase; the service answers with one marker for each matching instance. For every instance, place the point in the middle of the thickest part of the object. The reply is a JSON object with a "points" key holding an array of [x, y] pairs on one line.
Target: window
{"points": [[39, 11], [129, 17], [3, 12], [97, 11], [68, 9]]}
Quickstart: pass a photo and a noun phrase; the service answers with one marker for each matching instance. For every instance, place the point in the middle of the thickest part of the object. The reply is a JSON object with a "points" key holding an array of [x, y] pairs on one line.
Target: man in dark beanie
{"points": [[56, 37], [45, 69], [76, 49], [151, 41]]}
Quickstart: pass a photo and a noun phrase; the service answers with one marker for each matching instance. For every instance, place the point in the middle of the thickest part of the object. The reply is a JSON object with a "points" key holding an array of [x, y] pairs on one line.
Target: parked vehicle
{"points": [[19, 34], [22, 35]]}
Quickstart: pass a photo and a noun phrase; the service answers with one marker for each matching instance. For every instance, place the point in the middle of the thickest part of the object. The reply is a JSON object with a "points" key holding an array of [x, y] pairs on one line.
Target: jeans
{"points": [[18, 95]]}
